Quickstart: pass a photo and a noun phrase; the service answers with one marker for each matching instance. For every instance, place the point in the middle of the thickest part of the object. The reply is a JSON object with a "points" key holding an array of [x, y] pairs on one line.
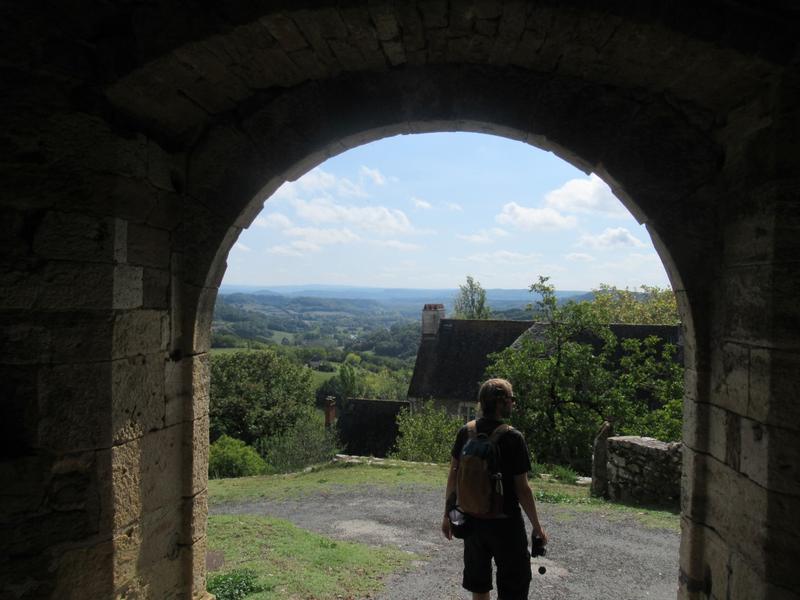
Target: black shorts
{"points": [[506, 541]]}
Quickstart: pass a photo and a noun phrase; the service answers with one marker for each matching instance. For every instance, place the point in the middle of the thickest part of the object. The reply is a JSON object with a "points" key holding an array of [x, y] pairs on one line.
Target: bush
{"points": [[305, 443], [229, 457], [425, 434], [234, 585], [564, 474]]}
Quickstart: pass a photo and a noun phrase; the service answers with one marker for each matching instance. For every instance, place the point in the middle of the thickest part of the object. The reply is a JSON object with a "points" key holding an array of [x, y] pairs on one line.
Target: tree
{"points": [[575, 375], [652, 305], [256, 394], [425, 434], [470, 302]]}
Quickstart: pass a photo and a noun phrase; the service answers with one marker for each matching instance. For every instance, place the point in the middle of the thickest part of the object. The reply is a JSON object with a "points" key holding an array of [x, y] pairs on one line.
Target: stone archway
{"points": [[142, 139]]}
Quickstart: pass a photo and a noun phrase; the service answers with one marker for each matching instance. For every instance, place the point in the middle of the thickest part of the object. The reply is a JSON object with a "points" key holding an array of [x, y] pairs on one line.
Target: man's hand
{"points": [[446, 528], [539, 532]]}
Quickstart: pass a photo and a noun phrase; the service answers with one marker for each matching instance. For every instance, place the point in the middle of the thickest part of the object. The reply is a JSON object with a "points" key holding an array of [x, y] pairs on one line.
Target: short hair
{"points": [[491, 390]]}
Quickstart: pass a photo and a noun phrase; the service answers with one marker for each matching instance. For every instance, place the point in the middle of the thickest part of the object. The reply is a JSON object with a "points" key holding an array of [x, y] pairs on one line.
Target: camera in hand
{"points": [[538, 549]]}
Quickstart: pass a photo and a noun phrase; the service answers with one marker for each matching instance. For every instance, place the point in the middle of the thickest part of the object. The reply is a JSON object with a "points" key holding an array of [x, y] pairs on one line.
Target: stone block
{"points": [[195, 518], [186, 388], [283, 29], [137, 387], [128, 287], [385, 21], [197, 560], [75, 237], [147, 474], [730, 377], [155, 288], [704, 560], [148, 246], [18, 410], [139, 332], [74, 406], [195, 452], [773, 387], [74, 581], [25, 480]]}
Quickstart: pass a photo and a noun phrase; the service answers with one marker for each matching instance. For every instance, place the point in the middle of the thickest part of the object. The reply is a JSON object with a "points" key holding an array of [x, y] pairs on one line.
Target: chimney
{"points": [[330, 411], [431, 315]]}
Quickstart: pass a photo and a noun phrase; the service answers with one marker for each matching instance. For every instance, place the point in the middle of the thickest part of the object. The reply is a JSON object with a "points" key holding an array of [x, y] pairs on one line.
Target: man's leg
{"points": [[481, 596]]}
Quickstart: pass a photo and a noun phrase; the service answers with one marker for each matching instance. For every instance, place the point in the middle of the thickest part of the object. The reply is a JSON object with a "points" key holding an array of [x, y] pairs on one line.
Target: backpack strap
{"points": [[499, 431]]}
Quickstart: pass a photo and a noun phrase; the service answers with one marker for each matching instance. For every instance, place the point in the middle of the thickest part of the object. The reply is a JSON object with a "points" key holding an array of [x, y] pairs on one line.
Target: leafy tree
{"points": [[229, 457], [653, 305], [576, 374], [256, 394], [305, 443], [470, 303], [425, 434]]}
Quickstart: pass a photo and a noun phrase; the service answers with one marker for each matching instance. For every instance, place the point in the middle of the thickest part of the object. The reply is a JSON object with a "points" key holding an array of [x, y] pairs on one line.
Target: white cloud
{"points": [[319, 182], [579, 257], [502, 257], [374, 174], [319, 237], [285, 250], [533, 219], [273, 220], [397, 245], [454, 206], [484, 236], [612, 237], [590, 195], [420, 203], [241, 247], [377, 219]]}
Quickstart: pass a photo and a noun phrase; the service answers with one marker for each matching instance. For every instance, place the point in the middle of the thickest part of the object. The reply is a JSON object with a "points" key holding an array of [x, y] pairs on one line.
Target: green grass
{"points": [[290, 562], [335, 477], [320, 377], [326, 479]]}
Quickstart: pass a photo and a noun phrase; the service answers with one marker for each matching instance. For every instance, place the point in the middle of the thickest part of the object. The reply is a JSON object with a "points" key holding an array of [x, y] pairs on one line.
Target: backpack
{"points": [[479, 482]]}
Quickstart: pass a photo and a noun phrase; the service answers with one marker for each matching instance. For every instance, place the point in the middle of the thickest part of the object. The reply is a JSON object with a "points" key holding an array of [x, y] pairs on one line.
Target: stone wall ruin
{"points": [[643, 470]]}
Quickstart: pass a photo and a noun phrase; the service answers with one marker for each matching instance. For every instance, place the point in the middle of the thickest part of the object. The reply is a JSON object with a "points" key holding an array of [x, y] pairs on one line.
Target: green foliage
{"points": [[305, 443], [256, 394], [566, 388], [425, 434], [234, 585], [470, 303], [564, 474], [653, 305], [229, 457]]}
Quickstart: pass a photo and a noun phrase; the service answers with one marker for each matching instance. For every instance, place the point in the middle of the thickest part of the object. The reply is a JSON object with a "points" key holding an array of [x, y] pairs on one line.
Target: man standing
{"points": [[501, 536]]}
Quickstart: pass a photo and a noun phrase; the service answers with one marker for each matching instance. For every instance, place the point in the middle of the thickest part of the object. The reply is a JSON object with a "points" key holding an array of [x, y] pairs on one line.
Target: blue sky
{"points": [[427, 210]]}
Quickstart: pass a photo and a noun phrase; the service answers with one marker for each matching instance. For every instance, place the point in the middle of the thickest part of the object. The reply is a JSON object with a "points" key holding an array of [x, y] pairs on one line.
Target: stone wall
{"points": [[644, 470]]}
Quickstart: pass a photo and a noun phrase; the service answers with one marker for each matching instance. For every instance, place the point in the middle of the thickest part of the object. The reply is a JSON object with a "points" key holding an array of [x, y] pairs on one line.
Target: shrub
{"points": [[229, 457], [537, 469], [305, 443], [234, 585], [564, 474], [425, 434]]}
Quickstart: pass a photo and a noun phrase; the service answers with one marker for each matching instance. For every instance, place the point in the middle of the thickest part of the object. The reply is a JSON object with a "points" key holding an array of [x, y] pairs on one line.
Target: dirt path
{"points": [[591, 556]]}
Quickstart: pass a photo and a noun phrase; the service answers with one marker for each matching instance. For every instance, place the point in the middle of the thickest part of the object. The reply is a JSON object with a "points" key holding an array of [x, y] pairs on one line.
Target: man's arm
{"points": [[525, 496], [449, 490]]}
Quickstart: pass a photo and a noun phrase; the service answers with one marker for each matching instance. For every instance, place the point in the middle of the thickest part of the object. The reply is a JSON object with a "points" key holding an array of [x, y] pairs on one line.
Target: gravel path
{"points": [[591, 555]]}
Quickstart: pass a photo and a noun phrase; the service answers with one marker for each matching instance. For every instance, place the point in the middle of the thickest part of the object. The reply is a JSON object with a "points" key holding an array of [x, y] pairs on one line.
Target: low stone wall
{"points": [[644, 470]]}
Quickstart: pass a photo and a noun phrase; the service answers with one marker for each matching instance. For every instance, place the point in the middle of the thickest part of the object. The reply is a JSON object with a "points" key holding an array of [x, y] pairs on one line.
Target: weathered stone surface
{"points": [[643, 470]]}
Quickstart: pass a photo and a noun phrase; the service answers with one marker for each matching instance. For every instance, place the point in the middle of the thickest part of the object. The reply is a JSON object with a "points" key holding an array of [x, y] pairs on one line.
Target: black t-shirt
{"points": [[514, 459]]}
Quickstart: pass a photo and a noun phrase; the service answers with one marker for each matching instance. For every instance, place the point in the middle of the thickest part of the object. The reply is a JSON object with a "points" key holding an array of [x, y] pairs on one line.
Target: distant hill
{"points": [[407, 301]]}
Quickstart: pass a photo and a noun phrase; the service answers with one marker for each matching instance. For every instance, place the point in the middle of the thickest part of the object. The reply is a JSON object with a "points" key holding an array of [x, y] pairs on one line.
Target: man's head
{"points": [[496, 398]]}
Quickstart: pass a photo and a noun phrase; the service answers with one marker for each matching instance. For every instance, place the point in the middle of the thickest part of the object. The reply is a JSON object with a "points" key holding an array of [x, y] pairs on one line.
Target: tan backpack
{"points": [[479, 482]]}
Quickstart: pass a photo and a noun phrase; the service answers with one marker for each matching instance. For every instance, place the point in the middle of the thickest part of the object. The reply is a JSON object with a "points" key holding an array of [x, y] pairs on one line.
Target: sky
{"points": [[426, 210]]}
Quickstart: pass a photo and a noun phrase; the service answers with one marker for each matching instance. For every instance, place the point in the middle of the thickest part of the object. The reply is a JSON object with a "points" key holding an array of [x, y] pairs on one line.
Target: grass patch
{"points": [[289, 562], [327, 478], [320, 377]]}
